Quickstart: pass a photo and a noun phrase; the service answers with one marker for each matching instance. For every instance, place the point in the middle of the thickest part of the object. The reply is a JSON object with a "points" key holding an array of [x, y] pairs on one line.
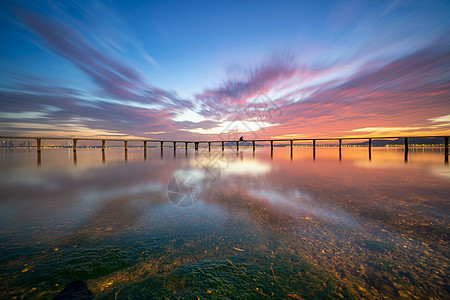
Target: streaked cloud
{"points": [[114, 77], [441, 119], [385, 130]]}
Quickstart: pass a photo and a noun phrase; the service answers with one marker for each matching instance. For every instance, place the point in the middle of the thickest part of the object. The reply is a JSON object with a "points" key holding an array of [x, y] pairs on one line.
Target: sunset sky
{"points": [[192, 70]]}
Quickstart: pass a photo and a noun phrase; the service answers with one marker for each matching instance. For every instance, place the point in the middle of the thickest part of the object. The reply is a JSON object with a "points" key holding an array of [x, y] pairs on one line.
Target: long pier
{"points": [[197, 143]]}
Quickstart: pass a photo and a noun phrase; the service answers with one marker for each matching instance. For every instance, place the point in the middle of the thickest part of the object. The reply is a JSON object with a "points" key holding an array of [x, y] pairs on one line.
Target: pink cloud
{"points": [[405, 93]]}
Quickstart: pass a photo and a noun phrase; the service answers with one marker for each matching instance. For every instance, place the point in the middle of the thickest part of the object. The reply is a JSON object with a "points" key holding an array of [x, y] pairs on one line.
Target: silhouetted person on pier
{"points": [[241, 139]]}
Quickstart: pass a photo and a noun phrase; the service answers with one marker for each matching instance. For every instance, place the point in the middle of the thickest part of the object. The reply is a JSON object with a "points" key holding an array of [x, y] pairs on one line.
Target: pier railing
{"points": [[223, 143]]}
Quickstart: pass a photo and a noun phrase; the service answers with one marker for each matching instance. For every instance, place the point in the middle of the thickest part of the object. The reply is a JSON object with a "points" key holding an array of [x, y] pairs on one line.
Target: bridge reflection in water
{"points": [[196, 145]]}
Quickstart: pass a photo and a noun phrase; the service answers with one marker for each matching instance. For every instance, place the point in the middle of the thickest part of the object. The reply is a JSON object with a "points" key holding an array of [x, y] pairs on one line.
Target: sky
{"points": [[199, 70]]}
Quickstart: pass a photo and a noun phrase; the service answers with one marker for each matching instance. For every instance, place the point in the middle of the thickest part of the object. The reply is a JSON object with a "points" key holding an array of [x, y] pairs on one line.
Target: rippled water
{"points": [[225, 225]]}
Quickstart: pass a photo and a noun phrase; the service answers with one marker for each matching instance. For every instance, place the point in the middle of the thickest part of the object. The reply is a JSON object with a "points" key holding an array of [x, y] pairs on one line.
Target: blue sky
{"points": [[197, 69]]}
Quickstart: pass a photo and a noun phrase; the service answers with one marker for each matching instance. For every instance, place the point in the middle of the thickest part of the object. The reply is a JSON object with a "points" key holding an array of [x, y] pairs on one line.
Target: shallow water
{"points": [[225, 225]]}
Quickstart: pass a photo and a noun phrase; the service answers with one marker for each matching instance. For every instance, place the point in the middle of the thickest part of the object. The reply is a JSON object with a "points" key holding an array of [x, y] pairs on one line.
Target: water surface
{"points": [[225, 225]]}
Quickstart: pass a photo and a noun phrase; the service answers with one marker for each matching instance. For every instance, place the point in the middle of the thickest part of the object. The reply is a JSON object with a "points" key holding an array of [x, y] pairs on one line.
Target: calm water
{"points": [[213, 225]]}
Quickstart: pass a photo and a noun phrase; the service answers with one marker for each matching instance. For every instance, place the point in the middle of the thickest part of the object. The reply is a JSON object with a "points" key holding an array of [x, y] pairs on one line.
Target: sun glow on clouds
{"points": [[442, 119], [233, 127], [70, 130], [385, 129], [188, 115], [404, 130], [289, 136]]}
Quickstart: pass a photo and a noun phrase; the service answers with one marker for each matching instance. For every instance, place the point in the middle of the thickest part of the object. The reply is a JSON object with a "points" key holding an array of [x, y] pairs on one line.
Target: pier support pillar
{"points": [[196, 146], [237, 146], [161, 144], [406, 149], [292, 149], [271, 149], [38, 141], [446, 149], [446, 145], [253, 143], [145, 146], [314, 149], [126, 145], [75, 145], [209, 146], [370, 149], [103, 145], [185, 145], [174, 145], [223, 146], [340, 149]]}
